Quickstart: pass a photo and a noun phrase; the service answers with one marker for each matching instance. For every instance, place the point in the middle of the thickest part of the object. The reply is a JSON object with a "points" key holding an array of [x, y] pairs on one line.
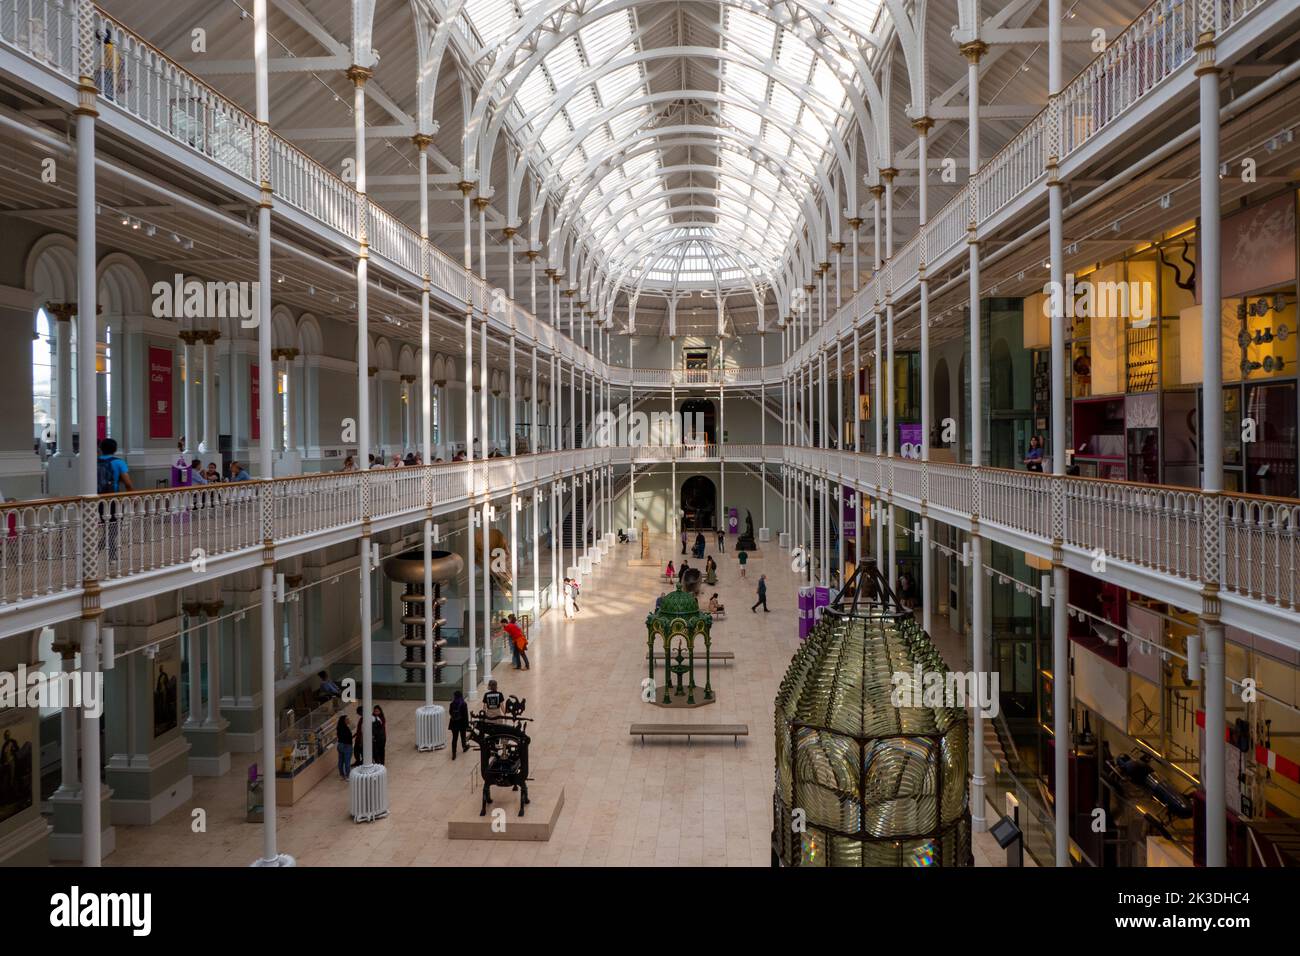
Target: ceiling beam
{"points": [[284, 64]]}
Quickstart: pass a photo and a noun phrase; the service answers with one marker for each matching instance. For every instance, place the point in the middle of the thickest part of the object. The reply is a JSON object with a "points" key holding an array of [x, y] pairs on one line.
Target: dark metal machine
{"points": [[503, 751]]}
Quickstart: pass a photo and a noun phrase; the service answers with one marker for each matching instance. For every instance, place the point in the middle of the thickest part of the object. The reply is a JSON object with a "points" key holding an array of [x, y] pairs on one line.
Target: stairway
{"points": [[568, 534]]}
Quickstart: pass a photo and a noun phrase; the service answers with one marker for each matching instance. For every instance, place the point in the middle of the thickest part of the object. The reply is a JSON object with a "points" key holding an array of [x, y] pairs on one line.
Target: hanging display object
{"points": [[861, 781]]}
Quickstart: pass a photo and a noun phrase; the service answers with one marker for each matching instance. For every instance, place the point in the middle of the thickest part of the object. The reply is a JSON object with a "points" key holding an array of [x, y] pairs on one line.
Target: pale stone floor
{"points": [[663, 803]]}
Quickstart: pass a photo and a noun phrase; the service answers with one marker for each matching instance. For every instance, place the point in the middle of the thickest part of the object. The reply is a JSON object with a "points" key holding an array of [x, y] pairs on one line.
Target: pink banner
{"points": [[160, 392]]}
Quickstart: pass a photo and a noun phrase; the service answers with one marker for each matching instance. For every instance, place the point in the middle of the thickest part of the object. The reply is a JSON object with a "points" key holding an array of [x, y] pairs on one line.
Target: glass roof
{"points": [[779, 103]]}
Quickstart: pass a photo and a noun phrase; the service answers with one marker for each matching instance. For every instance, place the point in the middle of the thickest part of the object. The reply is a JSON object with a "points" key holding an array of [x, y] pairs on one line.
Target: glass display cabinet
{"points": [[304, 753]]}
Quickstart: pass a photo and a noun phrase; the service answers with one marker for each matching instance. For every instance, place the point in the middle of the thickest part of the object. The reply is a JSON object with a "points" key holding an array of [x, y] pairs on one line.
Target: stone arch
{"points": [[408, 361], [51, 269], [284, 330], [123, 288], [310, 340]]}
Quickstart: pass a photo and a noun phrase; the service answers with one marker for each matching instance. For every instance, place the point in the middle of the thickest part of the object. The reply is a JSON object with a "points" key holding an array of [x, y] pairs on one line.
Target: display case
{"points": [[1099, 438], [304, 753]]}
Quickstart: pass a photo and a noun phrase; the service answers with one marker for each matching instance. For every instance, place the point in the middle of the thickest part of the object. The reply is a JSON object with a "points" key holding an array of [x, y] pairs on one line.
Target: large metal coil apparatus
{"points": [[408, 569]]}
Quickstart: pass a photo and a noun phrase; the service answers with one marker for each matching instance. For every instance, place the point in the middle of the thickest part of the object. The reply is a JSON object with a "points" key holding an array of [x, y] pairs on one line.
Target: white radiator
{"points": [[368, 792], [784, 539], [431, 727], [764, 534]]}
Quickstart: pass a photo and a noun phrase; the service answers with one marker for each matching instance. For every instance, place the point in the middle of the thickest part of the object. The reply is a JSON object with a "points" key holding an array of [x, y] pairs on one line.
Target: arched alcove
{"points": [[310, 340], [699, 504]]}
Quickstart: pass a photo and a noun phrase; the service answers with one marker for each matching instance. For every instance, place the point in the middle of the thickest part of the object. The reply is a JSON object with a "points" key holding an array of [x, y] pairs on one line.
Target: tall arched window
{"points": [[43, 379]]}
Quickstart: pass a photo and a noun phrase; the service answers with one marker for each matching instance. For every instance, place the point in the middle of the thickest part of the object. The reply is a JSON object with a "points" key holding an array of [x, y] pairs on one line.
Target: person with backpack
{"points": [[112, 474]]}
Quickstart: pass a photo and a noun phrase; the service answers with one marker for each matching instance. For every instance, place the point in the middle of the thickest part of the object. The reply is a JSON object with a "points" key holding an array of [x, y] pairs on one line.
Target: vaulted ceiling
{"points": [[686, 146]]}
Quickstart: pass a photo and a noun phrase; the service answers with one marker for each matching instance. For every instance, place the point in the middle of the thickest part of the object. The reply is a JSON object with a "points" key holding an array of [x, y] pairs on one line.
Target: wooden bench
{"points": [[734, 731], [714, 656]]}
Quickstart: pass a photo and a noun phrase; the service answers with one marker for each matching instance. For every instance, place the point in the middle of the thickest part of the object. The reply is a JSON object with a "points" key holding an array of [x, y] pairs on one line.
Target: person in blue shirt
{"points": [[113, 474], [328, 689], [1034, 457], [196, 473], [239, 473]]}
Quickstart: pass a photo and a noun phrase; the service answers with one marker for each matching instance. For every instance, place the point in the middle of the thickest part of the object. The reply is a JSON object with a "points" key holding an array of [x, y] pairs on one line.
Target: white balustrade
{"points": [[40, 549], [392, 239], [45, 30], [309, 187]]}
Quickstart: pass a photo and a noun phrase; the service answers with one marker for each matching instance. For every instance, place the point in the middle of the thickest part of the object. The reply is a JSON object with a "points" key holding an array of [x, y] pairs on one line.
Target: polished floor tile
{"points": [[663, 803]]}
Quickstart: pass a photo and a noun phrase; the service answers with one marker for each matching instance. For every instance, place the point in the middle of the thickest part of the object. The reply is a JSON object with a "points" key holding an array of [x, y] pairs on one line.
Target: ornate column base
{"points": [[368, 793], [431, 727]]}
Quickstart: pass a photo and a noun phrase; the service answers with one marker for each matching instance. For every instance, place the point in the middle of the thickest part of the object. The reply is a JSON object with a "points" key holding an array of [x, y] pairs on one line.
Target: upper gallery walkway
{"points": [[155, 103], [1148, 538]]}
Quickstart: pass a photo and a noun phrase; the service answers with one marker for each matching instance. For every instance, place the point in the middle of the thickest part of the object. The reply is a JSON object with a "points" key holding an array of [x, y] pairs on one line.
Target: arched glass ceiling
{"points": [[695, 259], [767, 78]]}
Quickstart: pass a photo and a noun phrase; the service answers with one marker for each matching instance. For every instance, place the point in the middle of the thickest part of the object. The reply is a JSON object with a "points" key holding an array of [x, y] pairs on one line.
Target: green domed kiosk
{"points": [[678, 623]]}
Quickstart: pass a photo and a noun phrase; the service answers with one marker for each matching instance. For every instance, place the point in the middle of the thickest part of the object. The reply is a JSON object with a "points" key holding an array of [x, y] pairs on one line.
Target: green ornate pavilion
{"points": [[677, 624]]}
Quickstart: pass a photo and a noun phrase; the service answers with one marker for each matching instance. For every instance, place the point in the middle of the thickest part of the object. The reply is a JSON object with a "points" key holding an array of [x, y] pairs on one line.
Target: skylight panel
{"points": [[533, 96], [563, 63], [778, 140], [605, 36], [745, 120], [828, 85], [746, 79], [492, 19], [581, 107], [572, 164], [814, 129], [860, 15], [620, 84], [625, 123], [794, 55], [556, 132], [749, 31], [785, 104]]}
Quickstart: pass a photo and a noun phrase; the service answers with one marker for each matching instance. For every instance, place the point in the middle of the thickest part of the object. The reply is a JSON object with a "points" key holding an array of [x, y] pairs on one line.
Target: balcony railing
{"points": [[1158, 528], [52, 546]]}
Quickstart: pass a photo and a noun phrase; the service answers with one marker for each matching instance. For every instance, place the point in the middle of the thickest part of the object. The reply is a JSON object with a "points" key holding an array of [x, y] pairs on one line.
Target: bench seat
{"points": [[734, 731]]}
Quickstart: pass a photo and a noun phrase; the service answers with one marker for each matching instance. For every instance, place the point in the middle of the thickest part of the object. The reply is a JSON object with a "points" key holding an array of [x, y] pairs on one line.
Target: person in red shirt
{"points": [[518, 643]]}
